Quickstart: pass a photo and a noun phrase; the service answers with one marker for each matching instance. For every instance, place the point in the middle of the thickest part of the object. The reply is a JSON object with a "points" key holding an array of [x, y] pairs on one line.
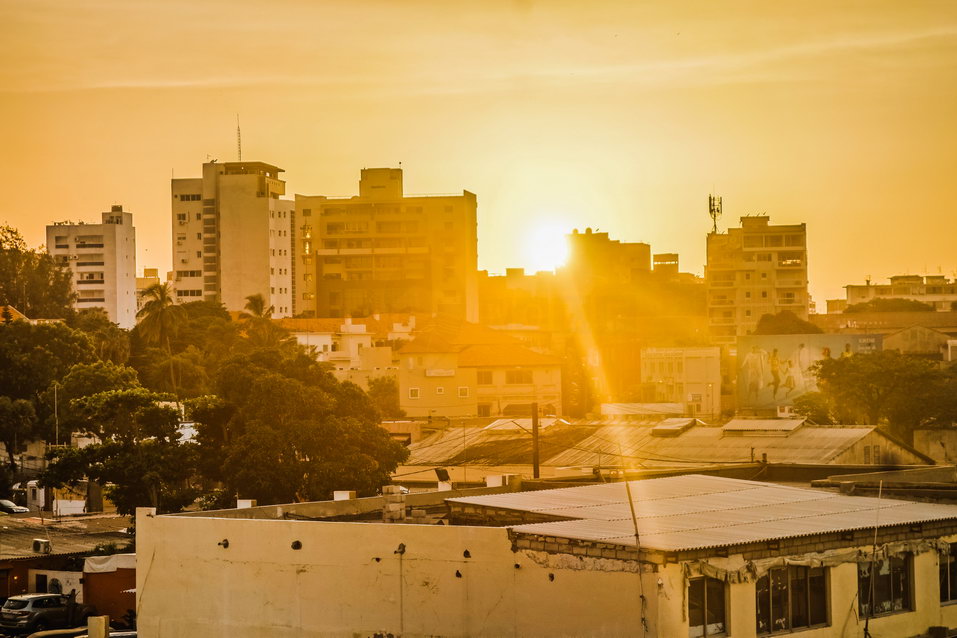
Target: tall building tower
{"points": [[755, 270], [232, 236], [102, 258], [382, 251]]}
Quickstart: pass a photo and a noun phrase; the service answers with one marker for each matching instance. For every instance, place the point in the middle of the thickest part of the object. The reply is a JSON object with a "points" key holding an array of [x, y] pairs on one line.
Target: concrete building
{"points": [[665, 558], [691, 376], [385, 252], [102, 258], [935, 290], [458, 369], [150, 278], [233, 236], [754, 270]]}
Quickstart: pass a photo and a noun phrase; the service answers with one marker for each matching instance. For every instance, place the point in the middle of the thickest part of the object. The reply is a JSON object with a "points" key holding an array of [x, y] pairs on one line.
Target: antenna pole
{"points": [[239, 140], [714, 211]]}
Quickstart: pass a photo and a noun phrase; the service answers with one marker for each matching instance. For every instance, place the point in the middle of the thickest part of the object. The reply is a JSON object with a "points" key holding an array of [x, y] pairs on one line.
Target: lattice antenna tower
{"points": [[239, 140], [714, 210]]}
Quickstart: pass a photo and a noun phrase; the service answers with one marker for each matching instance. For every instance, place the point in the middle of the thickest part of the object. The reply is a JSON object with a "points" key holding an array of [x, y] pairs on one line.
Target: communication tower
{"points": [[714, 210]]}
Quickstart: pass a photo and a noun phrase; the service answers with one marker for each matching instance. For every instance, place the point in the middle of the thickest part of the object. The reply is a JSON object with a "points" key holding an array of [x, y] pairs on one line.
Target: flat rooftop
{"points": [[700, 512]]}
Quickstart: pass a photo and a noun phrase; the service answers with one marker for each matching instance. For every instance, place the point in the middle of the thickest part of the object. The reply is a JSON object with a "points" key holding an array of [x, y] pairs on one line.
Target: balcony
{"points": [[79, 245], [91, 300], [90, 282], [90, 263]]}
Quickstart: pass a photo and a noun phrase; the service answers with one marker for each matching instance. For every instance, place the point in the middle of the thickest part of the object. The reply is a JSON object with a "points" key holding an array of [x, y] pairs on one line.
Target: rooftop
{"points": [[698, 512]]}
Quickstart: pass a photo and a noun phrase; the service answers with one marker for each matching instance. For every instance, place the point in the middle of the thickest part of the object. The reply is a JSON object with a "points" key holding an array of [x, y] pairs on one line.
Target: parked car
{"points": [[28, 613], [12, 508]]}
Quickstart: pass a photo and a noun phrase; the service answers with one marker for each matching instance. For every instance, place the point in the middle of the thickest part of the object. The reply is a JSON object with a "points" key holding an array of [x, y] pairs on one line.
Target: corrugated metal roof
{"points": [[603, 442], [698, 512], [762, 425]]}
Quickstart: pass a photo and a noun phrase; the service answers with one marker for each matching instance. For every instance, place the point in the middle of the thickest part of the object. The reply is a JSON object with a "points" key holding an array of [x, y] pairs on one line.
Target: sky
{"points": [[620, 116]]}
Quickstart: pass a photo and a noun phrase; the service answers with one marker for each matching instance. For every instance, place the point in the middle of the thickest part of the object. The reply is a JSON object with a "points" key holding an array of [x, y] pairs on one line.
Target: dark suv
{"points": [[35, 612]]}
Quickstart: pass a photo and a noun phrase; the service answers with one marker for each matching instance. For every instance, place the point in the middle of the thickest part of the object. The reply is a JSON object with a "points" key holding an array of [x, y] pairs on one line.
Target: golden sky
{"points": [[616, 115]]}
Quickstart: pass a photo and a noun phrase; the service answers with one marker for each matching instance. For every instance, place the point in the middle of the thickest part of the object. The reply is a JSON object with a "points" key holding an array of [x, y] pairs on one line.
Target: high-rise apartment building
{"points": [[755, 270], [102, 258], [233, 236], [384, 252]]}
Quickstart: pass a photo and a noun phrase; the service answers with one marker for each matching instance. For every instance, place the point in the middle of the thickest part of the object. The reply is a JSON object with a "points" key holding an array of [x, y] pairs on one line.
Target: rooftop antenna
{"points": [[714, 210], [239, 140]]}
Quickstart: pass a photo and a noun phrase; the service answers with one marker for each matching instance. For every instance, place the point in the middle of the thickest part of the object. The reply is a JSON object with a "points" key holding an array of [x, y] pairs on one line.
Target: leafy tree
{"points": [[83, 380], [159, 320], [259, 327], [32, 281], [815, 406], [880, 304], [286, 430], [785, 323], [17, 424], [384, 393], [34, 356], [140, 457], [110, 342], [888, 388]]}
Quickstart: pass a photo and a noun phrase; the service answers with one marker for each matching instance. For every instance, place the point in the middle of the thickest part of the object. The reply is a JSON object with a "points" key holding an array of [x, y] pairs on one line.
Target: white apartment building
{"points": [[935, 290], [102, 258], [755, 270], [232, 236]]}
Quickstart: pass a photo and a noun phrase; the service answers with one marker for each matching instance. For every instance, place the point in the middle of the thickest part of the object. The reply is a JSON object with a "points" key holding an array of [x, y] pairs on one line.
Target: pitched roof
{"points": [[697, 512], [488, 355], [589, 443]]}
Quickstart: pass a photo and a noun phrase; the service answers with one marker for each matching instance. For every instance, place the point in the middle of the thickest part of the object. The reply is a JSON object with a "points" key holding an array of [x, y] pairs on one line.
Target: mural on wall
{"points": [[773, 370]]}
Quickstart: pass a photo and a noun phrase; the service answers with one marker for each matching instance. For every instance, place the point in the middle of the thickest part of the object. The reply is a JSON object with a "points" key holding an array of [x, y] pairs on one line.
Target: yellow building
{"points": [[383, 251], [454, 368], [700, 556], [755, 270], [233, 235]]}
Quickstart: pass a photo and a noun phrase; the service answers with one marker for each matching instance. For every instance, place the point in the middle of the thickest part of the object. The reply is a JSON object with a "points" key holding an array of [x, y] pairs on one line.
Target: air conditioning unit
{"points": [[42, 546]]}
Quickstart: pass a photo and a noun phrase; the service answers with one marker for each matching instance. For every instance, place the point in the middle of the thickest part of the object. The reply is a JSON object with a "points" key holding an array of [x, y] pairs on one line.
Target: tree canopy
{"points": [[785, 323], [32, 281], [894, 304]]}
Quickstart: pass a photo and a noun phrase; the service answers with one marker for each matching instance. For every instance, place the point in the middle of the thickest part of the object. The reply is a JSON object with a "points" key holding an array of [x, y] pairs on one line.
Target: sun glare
{"points": [[546, 247]]}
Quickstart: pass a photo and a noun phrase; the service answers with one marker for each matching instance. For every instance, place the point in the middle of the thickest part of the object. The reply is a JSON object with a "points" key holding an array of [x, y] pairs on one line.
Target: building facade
{"points": [[755, 270], [935, 290], [691, 376], [711, 557], [385, 252], [102, 258], [233, 236]]}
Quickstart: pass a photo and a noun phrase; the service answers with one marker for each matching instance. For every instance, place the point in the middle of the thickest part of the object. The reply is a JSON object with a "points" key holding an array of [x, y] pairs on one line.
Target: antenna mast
{"points": [[714, 210], [239, 140]]}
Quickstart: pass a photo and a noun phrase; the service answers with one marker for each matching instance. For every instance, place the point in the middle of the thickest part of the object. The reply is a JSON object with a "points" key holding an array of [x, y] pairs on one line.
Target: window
{"points": [[484, 409], [890, 591], [789, 598], [181, 217], [413, 393], [464, 394], [948, 575], [518, 377], [198, 216], [440, 390], [307, 212], [483, 377], [199, 235], [705, 607]]}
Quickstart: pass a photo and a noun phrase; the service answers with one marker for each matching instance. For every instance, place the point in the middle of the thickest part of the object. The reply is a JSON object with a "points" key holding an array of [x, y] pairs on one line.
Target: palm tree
{"points": [[159, 319], [259, 326]]}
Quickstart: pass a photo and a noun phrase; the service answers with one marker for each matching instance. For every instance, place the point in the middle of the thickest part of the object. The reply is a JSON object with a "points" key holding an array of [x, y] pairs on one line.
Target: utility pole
{"points": [[536, 470]]}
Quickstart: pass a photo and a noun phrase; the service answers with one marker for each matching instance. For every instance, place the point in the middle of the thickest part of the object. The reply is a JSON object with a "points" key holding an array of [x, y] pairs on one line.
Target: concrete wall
{"points": [[349, 579]]}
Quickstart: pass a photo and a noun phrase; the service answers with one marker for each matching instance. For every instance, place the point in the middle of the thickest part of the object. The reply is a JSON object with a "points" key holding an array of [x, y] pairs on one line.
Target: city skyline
{"points": [[619, 118]]}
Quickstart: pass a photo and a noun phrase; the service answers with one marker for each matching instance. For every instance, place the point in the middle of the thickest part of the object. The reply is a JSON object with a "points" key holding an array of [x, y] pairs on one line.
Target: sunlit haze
{"points": [[621, 115]]}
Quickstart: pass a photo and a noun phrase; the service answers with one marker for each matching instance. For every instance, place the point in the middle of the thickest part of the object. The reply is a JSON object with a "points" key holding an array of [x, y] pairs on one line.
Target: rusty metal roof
{"points": [[698, 512]]}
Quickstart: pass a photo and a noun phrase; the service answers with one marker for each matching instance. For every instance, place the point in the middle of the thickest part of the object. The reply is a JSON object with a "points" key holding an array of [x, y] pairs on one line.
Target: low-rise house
{"points": [[681, 556], [457, 369]]}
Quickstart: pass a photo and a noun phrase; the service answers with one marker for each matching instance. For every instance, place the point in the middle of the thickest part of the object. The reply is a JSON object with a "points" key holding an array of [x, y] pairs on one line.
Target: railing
{"points": [[85, 282], [91, 300]]}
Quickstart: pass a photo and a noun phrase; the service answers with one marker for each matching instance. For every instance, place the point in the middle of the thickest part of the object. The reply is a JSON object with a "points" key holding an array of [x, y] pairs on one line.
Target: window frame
{"points": [[414, 393], [724, 631], [787, 572], [907, 598], [947, 566]]}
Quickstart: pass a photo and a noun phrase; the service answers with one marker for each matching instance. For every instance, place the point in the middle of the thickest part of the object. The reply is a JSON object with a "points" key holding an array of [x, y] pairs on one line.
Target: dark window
{"points": [[484, 377], [948, 575], [705, 607], [889, 590], [790, 598], [518, 377]]}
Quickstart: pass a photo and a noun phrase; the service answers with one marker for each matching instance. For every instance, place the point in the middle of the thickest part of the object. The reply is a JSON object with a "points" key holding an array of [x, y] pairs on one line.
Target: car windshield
{"points": [[13, 603]]}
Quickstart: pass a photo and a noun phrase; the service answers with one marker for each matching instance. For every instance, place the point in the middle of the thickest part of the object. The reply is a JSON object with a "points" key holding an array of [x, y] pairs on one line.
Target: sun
{"points": [[546, 247]]}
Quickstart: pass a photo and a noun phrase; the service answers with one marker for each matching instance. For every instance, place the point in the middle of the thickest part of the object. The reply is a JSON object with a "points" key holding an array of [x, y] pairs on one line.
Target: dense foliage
{"points": [[32, 281], [889, 305], [785, 323]]}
